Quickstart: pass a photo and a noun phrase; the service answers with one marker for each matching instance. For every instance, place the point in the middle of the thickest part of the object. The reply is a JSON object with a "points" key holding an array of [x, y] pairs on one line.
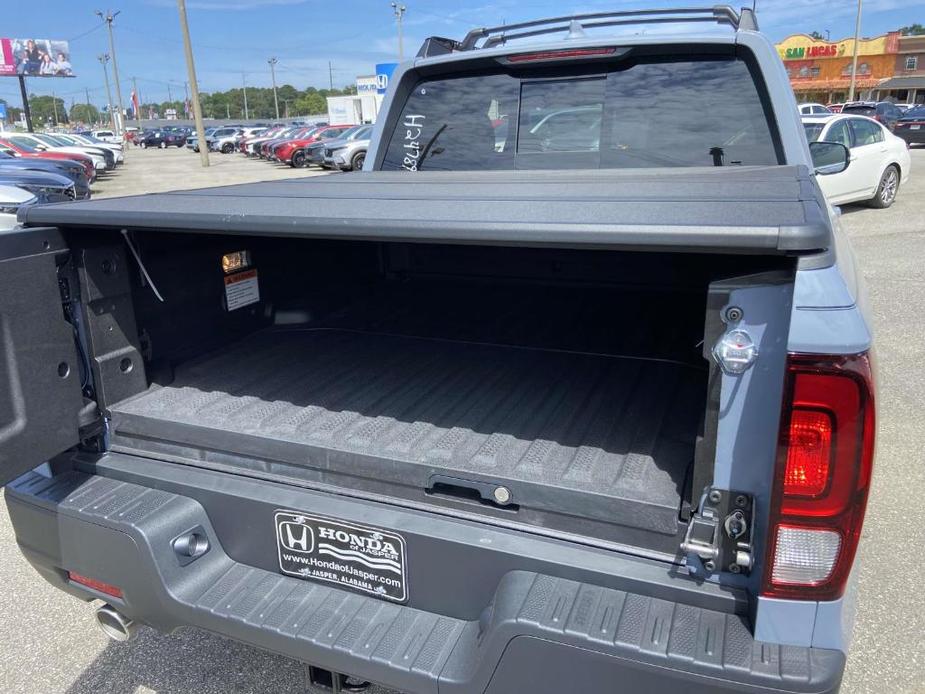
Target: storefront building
{"points": [[820, 70], [907, 86]]}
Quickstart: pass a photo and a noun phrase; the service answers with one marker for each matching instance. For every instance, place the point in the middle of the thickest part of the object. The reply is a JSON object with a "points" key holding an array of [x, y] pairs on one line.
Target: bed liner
{"points": [[766, 210], [607, 438]]}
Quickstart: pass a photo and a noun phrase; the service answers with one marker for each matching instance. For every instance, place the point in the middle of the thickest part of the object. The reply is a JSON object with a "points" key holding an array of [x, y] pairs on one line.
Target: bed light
{"points": [[232, 262]]}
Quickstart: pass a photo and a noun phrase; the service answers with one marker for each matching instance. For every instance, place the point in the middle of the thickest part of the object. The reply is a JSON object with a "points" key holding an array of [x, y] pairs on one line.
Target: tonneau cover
{"points": [[775, 209]]}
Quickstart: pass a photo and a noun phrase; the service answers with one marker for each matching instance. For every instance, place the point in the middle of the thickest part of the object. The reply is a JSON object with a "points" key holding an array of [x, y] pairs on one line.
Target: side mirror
{"points": [[829, 157]]}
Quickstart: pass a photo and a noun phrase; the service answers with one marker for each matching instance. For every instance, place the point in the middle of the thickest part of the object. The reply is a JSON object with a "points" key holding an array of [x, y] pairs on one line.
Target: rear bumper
{"points": [[501, 623], [913, 137]]}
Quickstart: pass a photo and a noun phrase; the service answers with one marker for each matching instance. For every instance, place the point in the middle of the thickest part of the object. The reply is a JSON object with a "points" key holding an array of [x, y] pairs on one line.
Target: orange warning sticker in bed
{"points": [[241, 289]]}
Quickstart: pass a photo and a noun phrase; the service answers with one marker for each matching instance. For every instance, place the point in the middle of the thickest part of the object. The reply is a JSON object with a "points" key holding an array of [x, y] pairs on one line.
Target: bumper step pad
{"points": [[397, 645]]}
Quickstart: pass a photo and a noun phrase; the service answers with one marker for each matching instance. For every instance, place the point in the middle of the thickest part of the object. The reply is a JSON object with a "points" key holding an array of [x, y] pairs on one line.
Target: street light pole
{"points": [[399, 11], [194, 85], [272, 62], [104, 58], [108, 17], [854, 60]]}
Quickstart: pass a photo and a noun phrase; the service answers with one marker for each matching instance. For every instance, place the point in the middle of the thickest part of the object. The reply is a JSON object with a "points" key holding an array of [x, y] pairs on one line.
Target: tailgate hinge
{"points": [[719, 536]]}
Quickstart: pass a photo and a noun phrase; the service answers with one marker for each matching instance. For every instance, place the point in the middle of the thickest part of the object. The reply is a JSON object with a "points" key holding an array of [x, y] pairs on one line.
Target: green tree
{"points": [[84, 113], [47, 110], [912, 30]]}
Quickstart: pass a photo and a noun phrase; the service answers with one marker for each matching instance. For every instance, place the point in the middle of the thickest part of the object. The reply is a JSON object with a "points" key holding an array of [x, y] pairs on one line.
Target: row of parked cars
{"points": [[893, 116], [339, 147], [38, 168]]}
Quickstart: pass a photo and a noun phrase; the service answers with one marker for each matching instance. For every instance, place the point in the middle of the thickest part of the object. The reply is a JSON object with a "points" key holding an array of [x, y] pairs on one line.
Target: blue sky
{"points": [[235, 36]]}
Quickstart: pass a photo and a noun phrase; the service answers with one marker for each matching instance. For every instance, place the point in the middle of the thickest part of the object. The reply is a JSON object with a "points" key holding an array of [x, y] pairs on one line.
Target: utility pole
{"points": [[854, 60], [227, 110], [54, 106], [244, 85], [191, 70], [104, 58], [286, 102], [108, 17], [26, 111], [169, 94], [330, 76], [137, 99], [399, 11], [89, 109], [272, 62]]}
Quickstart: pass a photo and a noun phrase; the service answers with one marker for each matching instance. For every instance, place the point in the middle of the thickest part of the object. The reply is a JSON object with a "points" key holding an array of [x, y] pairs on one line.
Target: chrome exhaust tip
{"points": [[114, 624]]}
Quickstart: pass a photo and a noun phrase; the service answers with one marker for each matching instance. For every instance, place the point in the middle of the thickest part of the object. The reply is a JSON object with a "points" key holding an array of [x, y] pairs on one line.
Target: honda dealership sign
{"points": [[383, 75], [35, 58]]}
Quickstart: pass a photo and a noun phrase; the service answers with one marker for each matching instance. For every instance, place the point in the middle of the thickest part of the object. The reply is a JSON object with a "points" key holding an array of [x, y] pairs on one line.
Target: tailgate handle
{"points": [[471, 490]]}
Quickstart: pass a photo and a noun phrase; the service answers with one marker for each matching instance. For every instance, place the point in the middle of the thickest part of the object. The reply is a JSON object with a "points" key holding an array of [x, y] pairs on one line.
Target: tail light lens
{"points": [[825, 458]]}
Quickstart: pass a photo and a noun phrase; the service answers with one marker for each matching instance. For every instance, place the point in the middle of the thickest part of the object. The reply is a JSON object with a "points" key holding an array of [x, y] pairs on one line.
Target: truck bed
{"points": [[609, 436]]}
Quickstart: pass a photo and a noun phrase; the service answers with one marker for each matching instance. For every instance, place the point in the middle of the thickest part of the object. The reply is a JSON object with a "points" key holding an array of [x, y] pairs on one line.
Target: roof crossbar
{"points": [[575, 24]]}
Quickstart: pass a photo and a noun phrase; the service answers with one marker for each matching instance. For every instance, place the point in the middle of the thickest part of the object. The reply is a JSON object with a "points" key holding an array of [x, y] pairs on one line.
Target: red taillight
{"points": [[94, 584], [823, 474], [560, 55]]}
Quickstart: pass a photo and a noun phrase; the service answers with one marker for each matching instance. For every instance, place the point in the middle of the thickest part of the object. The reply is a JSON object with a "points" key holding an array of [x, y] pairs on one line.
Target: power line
{"points": [[87, 32]]}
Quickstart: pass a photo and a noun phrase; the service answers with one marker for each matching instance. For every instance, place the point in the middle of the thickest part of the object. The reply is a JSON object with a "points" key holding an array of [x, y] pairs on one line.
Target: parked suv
{"points": [[563, 392], [884, 111], [223, 140], [348, 153], [314, 152]]}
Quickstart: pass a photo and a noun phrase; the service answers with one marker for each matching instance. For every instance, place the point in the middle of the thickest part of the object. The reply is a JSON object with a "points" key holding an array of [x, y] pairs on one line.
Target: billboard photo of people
{"points": [[35, 58]]}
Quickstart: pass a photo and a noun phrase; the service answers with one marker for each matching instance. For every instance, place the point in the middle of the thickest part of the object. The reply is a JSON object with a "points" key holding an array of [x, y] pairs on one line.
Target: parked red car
{"points": [[266, 149], [283, 151], [26, 151]]}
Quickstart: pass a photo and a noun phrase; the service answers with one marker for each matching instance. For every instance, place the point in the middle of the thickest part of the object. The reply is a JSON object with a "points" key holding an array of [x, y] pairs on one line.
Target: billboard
{"points": [[35, 58]]}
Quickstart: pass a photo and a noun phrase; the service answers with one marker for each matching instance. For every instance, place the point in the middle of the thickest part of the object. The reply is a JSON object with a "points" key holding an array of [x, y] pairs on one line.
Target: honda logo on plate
{"points": [[296, 537]]}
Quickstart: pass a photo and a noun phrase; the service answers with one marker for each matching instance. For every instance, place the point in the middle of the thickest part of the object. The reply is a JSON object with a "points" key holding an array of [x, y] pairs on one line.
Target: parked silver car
{"points": [[348, 153], [223, 140]]}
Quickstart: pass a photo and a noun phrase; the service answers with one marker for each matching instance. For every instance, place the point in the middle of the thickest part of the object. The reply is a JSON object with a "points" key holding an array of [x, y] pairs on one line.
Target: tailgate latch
{"points": [[719, 536]]}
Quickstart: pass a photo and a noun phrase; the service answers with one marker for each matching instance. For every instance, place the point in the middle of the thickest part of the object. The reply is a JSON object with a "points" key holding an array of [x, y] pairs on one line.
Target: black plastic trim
{"points": [[120, 533]]}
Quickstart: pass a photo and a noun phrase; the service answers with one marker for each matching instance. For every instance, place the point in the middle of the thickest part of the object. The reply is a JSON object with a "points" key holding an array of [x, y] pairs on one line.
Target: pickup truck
{"points": [[561, 393]]}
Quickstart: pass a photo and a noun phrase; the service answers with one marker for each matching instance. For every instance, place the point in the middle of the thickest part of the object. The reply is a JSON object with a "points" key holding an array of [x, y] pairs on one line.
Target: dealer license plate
{"points": [[914, 127], [370, 560]]}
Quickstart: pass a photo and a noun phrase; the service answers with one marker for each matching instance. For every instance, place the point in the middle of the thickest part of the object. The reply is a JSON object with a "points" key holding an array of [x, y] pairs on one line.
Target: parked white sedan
{"points": [[879, 161]]}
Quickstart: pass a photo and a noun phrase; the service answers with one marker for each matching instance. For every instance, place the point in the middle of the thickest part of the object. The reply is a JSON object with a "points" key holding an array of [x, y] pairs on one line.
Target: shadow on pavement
{"points": [[191, 661], [186, 662]]}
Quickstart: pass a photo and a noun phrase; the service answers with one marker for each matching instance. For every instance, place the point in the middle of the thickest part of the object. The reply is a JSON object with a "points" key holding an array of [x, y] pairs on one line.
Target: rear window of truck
{"points": [[658, 113]]}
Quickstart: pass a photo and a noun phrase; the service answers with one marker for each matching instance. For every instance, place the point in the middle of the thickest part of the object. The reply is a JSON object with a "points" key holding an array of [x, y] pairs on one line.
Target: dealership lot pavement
{"points": [[157, 170], [48, 642]]}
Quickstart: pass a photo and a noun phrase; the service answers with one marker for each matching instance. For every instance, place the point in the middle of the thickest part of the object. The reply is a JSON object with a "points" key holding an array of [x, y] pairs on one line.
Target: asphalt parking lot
{"points": [[49, 643], [157, 170]]}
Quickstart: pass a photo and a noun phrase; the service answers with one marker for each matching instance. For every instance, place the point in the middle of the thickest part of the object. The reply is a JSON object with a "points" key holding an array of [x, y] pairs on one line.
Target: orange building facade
{"points": [[821, 70]]}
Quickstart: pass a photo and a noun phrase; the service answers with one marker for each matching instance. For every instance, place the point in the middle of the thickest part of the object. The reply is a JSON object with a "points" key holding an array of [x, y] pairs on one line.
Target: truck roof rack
{"points": [[576, 24]]}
